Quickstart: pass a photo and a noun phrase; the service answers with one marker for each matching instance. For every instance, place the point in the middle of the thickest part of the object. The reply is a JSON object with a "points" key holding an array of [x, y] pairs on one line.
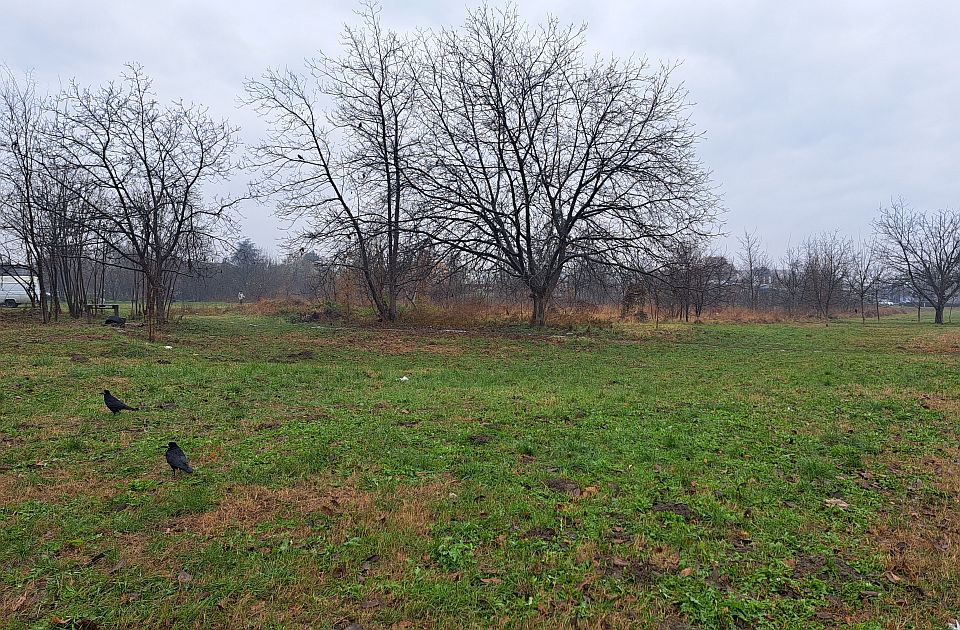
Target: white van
{"points": [[12, 292]]}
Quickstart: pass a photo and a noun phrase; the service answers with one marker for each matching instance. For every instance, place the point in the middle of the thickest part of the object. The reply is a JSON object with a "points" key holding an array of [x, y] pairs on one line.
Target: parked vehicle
{"points": [[13, 283]]}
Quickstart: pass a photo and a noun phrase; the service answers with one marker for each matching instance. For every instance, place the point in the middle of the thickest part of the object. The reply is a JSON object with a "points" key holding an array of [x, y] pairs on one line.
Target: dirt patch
{"points": [[566, 486], [296, 357], [633, 569], [682, 510], [540, 533], [818, 565]]}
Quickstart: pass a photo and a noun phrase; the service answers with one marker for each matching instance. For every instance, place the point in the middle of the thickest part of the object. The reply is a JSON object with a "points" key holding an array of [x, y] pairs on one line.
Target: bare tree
{"points": [[694, 278], [753, 260], [22, 122], [344, 168], [865, 274], [826, 268], [924, 249], [533, 157], [790, 280], [144, 166]]}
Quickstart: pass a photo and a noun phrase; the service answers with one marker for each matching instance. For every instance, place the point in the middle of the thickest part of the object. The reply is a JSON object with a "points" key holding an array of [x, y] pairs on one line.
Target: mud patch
{"points": [[540, 533]]}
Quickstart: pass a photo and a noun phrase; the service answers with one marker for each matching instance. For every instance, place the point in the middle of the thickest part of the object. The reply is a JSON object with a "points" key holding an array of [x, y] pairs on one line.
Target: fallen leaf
{"points": [[97, 558], [183, 577], [686, 572], [893, 577], [838, 503]]}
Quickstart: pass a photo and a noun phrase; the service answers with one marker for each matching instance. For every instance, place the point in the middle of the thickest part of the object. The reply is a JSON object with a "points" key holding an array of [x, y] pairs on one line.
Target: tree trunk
{"points": [[42, 290], [391, 313], [938, 316], [538, 319]]}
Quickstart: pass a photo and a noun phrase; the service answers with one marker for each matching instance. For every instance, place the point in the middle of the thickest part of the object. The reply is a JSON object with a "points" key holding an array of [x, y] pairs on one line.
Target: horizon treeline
{"points": [[494, 160]]}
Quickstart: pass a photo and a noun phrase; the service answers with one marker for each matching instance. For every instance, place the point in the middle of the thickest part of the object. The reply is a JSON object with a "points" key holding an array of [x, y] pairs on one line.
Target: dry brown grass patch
{"points": [[247, 506], [58, 485], [378, 341], [944, 343], [920, 541], [409, 508]]}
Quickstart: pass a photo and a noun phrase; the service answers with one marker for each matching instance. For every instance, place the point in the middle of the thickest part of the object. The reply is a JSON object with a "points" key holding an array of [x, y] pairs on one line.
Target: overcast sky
{"points": [[814, 112]]}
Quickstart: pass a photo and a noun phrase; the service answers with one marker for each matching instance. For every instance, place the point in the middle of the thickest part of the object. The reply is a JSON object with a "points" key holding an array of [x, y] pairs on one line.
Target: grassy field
{"points": [[787, 476]]}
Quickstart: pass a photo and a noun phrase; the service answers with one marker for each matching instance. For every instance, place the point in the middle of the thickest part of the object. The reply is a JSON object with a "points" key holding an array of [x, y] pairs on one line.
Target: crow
{"points": [[177, 459], [114, 404]]}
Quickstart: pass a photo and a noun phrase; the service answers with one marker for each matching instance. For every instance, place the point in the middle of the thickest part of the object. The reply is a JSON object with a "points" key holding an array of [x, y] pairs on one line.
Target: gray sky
{"points": [[815, 112]]}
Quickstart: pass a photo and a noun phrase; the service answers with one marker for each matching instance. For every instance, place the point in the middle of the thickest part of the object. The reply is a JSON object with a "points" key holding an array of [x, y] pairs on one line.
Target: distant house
{"points": [[16, 284]]}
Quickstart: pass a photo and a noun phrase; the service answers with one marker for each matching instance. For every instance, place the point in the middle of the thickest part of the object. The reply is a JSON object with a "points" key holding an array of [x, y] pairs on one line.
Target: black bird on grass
{"points": [[114, 404], [177, 459]]}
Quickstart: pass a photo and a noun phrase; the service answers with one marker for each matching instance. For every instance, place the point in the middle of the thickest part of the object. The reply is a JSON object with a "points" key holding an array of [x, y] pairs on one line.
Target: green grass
{"points": [[624, 477]]}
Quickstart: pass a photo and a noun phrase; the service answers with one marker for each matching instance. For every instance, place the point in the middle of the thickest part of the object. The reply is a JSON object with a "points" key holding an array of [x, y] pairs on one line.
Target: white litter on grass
{"points": [[168, 347], [953, 625], [404, 379], [451, 330]]}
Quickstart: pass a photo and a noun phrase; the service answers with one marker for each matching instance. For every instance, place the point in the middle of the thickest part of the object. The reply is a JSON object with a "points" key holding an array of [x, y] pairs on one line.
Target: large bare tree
{"points": [[342, 167], [144, 166], [533, 156], [924, 250]]}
